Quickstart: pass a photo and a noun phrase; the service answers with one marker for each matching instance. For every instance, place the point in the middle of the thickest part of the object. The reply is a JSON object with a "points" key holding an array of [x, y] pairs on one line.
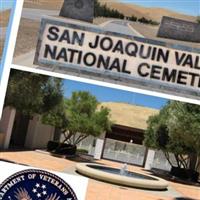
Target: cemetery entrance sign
{"points": [[91, 51]]}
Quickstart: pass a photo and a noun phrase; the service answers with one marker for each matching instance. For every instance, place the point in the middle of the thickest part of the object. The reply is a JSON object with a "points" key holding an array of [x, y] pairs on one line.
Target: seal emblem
{"points": [[35, 185]]}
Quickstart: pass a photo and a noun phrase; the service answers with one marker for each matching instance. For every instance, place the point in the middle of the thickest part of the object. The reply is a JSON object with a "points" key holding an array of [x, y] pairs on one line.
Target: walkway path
{"points": [[99, 190]]}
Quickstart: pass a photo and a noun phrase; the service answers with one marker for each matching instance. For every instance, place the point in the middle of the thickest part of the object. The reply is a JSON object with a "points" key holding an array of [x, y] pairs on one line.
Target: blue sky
{"points": [[105, 94], [191, 7], [6, 4]]}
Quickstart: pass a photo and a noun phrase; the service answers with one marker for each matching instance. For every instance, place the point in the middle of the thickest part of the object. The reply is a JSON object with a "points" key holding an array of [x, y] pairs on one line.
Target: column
{"points": [[149, 159], [6, 125], [98, 149]]}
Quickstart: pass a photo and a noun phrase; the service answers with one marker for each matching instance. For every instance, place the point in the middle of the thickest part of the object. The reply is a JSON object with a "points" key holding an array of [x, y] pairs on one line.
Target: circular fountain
{"points": [[121, 176]]}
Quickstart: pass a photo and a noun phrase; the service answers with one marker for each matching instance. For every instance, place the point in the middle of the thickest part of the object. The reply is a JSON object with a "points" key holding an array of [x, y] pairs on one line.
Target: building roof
{"points": [[129, 115]]}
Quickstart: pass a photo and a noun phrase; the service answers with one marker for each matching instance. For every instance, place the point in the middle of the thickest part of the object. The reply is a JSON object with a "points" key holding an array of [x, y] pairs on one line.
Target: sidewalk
{"points": [[99, 190]]}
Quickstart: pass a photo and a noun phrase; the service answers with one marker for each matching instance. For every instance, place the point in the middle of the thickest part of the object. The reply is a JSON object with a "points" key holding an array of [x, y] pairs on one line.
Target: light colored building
{"points": [[16, 131], [123, 144]]}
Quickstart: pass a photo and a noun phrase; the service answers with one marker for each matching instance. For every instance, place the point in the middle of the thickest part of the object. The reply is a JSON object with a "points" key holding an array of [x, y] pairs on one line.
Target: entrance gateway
{"points": [[87, 50]]}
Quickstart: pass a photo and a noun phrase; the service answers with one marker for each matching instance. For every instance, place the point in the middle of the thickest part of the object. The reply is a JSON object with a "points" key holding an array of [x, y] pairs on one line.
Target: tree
{"points": [[102, 10], [84, 118], [185, 128], [176, 129], [147, 21], [198, 19], [133, 18], [31, 93], [57, 117]]}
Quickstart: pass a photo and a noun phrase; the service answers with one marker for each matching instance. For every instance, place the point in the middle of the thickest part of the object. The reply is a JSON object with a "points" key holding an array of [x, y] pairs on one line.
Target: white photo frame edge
{"points": [[9, 47], [8, 58]]}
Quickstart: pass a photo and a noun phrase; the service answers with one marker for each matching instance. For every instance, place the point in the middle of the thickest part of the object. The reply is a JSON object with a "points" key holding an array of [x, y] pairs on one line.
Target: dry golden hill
{"points": [[4, 18], [129, 115], [44, 4], [155, 14]]}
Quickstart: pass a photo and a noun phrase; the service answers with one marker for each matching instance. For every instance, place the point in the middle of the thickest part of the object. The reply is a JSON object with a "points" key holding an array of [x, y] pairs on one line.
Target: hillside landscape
{"points": [[155, 14], [127, 9], [4, 18], [44, 4], [28, 29]]}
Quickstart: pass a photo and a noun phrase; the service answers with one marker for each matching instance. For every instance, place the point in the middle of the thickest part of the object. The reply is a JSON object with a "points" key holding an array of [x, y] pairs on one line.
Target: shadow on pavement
{"points": [[184, 198], [167, 176]]}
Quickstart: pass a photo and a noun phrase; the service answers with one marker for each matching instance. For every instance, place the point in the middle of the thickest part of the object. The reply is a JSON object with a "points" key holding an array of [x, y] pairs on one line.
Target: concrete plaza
{"points": [[100, 190]]}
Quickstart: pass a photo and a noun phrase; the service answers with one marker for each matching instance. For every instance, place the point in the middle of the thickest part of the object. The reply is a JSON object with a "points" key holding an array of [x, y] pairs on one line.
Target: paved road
{"points": [[120, 27], [114, 26], [36, 14], [33, 14]]}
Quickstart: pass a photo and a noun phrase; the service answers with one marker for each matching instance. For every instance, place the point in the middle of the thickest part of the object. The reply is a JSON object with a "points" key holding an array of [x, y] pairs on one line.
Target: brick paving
{"points": [[100, 190]]}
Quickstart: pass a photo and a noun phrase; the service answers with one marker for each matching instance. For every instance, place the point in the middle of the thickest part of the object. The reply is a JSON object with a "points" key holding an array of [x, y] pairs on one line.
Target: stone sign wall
{"points": [[68, 47], [78, 9], [179, 30]]}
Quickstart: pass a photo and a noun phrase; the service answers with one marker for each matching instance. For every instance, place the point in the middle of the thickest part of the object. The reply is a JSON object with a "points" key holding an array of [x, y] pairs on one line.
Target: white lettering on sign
{"points": [[84, 48], [180, 27]]}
